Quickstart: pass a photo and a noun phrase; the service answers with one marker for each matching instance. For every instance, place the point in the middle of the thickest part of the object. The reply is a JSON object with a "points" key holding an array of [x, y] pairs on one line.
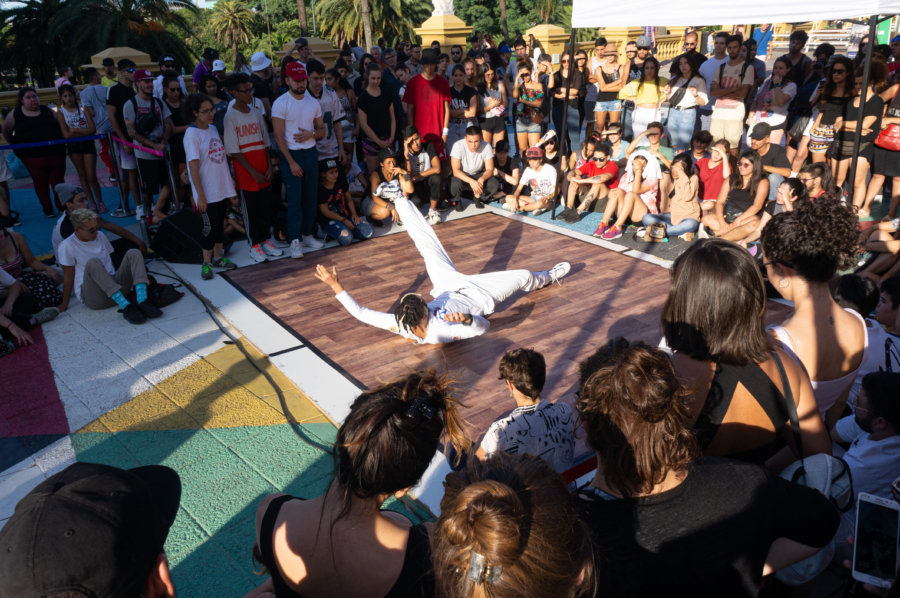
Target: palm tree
{"points": [[301, 16], [28, 40], [136, 23], [232, 23], [503, 21], [343, 20]]}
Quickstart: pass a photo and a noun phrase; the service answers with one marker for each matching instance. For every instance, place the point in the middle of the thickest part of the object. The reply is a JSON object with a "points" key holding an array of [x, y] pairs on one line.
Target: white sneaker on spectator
{"points": [[279, 243], [434, 217], [270, 249], [296, 249], [256, 254], [310, 243]]}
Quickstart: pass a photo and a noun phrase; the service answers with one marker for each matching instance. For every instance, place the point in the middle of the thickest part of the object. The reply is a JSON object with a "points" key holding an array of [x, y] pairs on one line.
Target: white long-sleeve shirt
{"points": [[439, 330]]}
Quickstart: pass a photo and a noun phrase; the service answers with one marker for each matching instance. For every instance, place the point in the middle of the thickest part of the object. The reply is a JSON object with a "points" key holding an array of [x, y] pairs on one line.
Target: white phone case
{"points": [[860, 543]]}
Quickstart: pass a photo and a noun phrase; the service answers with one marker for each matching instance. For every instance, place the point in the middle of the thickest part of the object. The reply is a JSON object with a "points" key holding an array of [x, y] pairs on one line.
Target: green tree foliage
{"points": [[341, 20], [233, 23], [29, 40]]}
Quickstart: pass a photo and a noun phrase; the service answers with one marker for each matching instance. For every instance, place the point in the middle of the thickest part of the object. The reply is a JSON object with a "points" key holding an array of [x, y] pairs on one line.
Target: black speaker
{"points": [[178, 238]]}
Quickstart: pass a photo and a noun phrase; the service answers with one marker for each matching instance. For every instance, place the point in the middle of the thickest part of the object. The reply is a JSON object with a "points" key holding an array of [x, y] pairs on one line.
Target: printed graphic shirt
{"points": [[215, 179], [545, 430]]}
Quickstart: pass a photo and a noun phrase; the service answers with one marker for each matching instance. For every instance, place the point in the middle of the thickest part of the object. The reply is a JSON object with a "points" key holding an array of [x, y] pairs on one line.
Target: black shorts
{"points": [[153, 175], [81, 147], [493, 125]]}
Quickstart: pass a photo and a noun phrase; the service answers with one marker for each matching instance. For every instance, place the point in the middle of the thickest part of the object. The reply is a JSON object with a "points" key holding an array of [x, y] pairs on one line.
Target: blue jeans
{"points": [[362, 231], [627, 118], [573, 127], [774, 181], [681, 128], [688, 225], [302, 192]]}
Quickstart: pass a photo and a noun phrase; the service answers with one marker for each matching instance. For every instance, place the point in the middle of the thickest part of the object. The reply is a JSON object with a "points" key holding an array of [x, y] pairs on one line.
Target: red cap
{"points": [[141, 74], [295, 71]]}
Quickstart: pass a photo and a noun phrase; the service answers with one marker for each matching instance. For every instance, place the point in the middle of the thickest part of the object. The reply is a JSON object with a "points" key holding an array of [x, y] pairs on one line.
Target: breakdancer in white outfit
{"points": [[460, 300]]}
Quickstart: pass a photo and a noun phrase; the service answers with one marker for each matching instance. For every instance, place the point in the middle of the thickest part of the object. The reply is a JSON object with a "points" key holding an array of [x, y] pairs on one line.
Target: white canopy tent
{"points": [[590, 13]]}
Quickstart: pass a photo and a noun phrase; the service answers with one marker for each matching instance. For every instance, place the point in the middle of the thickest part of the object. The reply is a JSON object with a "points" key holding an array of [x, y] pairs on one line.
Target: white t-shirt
{"points": [[160, 110], [75, 252], [778, 114], [206, 146], [297, 115], [732, 108], [472, 162], [545, 430], [542, 181], [710, 69], [874, 464], [56, 236], [688, 100], [332, 112]]}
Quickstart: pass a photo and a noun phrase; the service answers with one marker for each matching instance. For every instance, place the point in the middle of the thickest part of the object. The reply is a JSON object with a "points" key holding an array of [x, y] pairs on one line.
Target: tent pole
{"points": [[563, 136], [873, 26]]}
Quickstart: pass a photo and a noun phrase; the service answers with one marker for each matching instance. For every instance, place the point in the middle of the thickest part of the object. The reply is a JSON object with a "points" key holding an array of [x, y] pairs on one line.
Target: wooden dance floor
{"points": [[605, 295]]}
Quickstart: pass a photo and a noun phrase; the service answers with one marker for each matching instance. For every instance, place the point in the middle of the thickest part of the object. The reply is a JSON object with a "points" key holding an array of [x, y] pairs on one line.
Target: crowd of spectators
{"points": [[689, 437]]}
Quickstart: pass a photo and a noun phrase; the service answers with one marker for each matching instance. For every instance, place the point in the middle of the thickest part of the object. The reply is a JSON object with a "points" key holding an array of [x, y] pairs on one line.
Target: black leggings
{"points": [[256, 214], [216, 213]]}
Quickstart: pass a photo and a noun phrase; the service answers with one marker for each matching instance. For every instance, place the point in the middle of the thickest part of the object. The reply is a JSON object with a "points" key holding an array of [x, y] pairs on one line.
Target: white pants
{"points": [[483, 290]]}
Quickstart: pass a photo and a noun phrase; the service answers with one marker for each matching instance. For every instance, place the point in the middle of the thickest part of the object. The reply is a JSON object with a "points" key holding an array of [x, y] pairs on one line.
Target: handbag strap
{"points": [[789, 404]]}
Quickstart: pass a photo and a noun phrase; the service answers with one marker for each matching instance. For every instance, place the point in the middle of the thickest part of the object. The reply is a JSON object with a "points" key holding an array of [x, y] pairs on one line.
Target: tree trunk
{"points": [[367, 23], [503, 21], [233, 51], [301, 17]]}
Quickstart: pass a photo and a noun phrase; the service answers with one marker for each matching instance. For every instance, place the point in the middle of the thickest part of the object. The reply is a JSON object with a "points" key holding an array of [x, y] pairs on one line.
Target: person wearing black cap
{"points": [[337, 211], [166, 67], [92, 530], [204, 67], [774, 159]]}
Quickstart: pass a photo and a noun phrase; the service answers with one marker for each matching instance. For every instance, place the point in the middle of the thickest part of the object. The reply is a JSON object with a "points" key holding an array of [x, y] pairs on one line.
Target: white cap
{"points": [[259, 61], [218, 65]]}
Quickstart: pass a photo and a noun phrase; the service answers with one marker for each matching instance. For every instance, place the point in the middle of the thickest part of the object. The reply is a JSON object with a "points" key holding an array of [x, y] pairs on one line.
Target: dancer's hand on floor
{"points": [[329, 278]]}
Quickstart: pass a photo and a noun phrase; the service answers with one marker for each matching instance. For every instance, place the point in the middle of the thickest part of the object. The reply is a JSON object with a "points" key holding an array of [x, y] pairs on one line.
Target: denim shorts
{"points": [[526, 125], [608, 106]]}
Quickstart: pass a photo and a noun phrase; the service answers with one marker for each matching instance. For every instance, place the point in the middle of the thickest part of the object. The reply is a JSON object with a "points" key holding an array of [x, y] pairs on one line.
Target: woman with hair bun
{"points": [[509, 527], [803, 250], [342, 543], [714, 323], [666, 522]]}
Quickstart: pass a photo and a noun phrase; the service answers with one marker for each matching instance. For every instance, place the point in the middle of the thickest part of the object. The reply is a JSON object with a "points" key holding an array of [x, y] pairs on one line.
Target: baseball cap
{"points": [[644, 41], [90, 528], [210, 53], [141, 74], [108, 62], [385, 153], [430, 56], [301, 41], [761, 131], [165, 58], [259, 61], [218, 65], [295, 71], [534, 152], [327, 164], [66, 192], [504, 49]]}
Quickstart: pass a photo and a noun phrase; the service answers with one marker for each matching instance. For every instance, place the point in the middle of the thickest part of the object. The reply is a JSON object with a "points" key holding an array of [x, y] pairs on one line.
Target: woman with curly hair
{"points": [[342, 543], [714, 323], [803, 250], [666, 521], [509, 527]]}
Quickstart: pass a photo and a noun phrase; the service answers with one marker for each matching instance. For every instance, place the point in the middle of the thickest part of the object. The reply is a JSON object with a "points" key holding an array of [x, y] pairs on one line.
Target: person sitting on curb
{"points": [[88, 272], [591, 181], [92, 530], [540, 178], [19, 313], [535, 427], [73, 198]]}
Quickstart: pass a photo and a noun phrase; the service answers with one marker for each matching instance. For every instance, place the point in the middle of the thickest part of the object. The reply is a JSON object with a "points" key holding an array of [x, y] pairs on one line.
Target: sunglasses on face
{"points": [[839, 71], [129, 70]]}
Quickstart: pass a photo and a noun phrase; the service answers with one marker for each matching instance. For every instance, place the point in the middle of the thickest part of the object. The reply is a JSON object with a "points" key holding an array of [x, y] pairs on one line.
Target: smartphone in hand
{"points": [[875, 542]]}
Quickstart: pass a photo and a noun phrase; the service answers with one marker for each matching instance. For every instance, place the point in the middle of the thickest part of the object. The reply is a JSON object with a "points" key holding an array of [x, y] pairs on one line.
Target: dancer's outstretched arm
{"points": [[378, 319]]}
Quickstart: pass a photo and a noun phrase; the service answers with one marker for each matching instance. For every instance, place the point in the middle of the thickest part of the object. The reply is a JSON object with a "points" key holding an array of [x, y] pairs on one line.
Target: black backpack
{"points": [[145, 123]]}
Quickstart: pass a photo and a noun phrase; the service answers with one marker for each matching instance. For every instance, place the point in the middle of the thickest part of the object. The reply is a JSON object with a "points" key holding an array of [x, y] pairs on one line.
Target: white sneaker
{"points": [[558, 271], [296, 250], [270, 249], [256, 254], [279, 243], [310, 243], [434, 217]]}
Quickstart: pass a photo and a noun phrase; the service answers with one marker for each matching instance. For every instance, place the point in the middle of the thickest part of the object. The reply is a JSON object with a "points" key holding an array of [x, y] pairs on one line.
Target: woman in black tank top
{"points": [[341, 543]]}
